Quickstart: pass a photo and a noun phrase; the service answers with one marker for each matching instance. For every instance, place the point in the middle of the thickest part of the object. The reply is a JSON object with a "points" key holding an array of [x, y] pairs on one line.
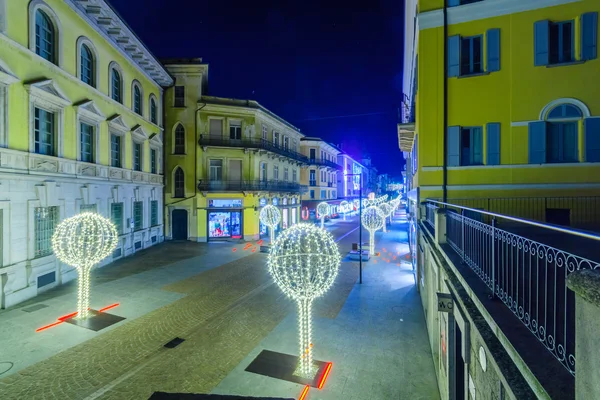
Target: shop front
{"points": [[288, 207], [225, 219]]}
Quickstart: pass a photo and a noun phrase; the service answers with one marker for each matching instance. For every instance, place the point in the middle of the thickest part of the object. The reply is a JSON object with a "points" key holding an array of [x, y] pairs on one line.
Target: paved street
{"points": [[221, 300]]}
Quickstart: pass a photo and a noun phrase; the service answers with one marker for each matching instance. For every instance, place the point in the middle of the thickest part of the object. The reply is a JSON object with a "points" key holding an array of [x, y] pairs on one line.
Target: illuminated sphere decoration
{"points": [[344, 207], [386, 210], [373, 220], [270, 216], [323, 210], [304, 262], [366, 203], [81, 242]]}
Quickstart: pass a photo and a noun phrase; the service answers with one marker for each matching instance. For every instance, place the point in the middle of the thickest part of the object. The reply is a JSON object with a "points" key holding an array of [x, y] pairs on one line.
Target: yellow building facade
{"points": [[80, 130], [499, 102], [225, 160], [321, 177]]}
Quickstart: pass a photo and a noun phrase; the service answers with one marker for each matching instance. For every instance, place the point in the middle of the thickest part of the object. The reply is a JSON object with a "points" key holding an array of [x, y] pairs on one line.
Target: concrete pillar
{"points": [[586, 285], [440, 225]]}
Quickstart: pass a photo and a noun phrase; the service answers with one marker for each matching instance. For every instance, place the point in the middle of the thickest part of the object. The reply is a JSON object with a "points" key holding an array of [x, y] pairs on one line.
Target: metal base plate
{"points": [[192, 396], [265, 248], [96, 321], [282, 366]]}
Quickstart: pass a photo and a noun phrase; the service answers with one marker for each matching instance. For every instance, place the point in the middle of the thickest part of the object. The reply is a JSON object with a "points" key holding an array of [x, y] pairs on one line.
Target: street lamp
{"points": [[360, 207]]}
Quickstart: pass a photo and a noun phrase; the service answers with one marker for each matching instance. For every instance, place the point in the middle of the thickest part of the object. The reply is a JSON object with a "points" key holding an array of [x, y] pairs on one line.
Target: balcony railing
{"points": [[527, 275], [208, 140], [324, 163], [312, 183], [251, 185], [406, 114]]}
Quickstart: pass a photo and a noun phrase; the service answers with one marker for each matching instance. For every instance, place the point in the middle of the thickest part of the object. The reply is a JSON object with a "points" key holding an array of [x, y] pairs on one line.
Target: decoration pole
{"points": [[304, 314], [322, 222], [372, 242], [83, 291]]}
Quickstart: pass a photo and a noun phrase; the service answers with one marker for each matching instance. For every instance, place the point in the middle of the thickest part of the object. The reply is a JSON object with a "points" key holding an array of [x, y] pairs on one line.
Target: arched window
{"points": [[153, 111], [179, 139], [562, 138], [179, 183], [87, 65], [137, 98], [45, 37], [116, 84]]}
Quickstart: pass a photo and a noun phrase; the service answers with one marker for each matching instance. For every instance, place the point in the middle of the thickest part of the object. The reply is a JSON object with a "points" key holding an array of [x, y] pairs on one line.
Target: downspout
{"points": [[445, 157], [196, 145]]}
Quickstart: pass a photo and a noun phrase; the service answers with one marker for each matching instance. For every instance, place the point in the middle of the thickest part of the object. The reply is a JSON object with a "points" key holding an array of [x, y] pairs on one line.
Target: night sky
{"points": [[319, 65]]}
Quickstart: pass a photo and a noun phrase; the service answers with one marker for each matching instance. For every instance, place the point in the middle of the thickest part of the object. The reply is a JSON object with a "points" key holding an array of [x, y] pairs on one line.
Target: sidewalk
{"points": [[377, 342]]}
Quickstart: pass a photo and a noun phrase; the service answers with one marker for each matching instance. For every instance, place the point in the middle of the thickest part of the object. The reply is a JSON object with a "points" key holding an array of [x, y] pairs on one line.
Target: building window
{"points": [[276, 139], [153, 111], [153, 212], [179, 100], [561, 42], [216, 170], [137, 156], [115, 151], [116, 216], [45, 221], [87, 142], [137, 99], [179, 183], [88, 208], [216, 128], [323, 194], [153, 159], [285, 174], [235, 130], [276, 172], [285, 142], [45, 37], [264, 132], [138, 215], [294, 176], [263, 172], [312, 178], [561, 142], [116, 85], [87, 66], [45, 132], [471, 146], [179, 139], [470, 55], [312, 194]]}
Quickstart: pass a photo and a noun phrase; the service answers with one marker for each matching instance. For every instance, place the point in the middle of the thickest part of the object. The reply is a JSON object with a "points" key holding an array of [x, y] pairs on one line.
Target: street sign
{"points": [[445, 302]]}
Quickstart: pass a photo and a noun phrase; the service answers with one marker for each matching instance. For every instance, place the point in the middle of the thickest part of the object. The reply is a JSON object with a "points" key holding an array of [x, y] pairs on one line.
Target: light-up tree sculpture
{"points": [[304, 262], [386, 210], [372, 220], [81, 242], [344, 207], [270, 216], [356, 204], [323, 210]]}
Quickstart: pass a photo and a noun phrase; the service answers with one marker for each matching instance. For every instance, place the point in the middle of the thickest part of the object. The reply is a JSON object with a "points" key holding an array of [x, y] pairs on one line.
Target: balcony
{"points": [[312, 183], [406, 126], [321, 162], [250, 186], [262, 144]]}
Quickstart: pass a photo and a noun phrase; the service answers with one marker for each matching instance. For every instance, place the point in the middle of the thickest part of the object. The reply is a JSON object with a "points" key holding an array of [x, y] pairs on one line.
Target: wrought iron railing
{"points": [[527, 275], [250, 185], [430, 214], [208, 140], [407, 113], [324, 163]]}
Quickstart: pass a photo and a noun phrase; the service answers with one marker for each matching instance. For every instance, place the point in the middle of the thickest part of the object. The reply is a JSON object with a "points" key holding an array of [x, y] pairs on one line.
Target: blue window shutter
{"points": [[537, 142], [453, 3], [453, 146], [541, 43], [493, 143], [591, 129], [493, 50], [453, 55], [589, 36]]}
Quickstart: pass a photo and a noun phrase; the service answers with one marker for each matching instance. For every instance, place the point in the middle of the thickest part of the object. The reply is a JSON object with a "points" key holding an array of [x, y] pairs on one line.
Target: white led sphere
{"points": [[84, 240], [304, 261], [323, 209], [344, 205], [270, 215], [365, 203], [386, 209], [373, 219]]}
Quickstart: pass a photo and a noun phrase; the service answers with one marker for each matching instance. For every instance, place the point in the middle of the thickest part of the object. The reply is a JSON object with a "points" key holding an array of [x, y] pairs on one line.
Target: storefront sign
{"points": [[229, 203], [262, 202], [275, 201], [445, 302]]}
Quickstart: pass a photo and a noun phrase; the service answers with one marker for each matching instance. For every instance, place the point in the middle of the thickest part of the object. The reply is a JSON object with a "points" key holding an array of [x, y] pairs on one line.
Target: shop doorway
{"points": [[459, 364], [224, 225], [179, 224]]}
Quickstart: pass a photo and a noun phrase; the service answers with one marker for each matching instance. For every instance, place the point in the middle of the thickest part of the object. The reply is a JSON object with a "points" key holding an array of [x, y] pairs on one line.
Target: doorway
{"points": [[459, 364], [235, 171], [179, 224]]}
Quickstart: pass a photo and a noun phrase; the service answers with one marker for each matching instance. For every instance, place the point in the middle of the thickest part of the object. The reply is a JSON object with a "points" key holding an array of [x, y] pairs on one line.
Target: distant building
{"points": [[323, 169], [371, 182], [349, 179]]}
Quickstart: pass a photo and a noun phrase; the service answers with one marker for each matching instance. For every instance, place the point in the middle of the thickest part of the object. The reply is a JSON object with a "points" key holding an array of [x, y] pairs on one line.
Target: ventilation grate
{"points": [[174, 343]]}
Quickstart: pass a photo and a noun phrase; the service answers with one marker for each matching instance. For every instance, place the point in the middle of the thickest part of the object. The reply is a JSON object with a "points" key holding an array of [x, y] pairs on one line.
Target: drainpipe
{"points": [[445, 161], [196, 144]]}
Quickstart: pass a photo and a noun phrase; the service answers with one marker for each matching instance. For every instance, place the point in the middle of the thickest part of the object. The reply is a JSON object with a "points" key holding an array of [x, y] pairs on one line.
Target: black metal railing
{"points": [[250, 185], [406, 113], [208, 140], [324, 163], [312, 183]]}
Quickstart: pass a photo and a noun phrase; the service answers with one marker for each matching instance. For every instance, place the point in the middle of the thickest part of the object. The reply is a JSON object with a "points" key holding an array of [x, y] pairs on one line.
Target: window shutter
{"points": [[453, 146], [493, 143], [493, 50], [591, 129], [589, 36], [537, 142], [541, 43], [453, 3], [216, 127], [453, 55]]}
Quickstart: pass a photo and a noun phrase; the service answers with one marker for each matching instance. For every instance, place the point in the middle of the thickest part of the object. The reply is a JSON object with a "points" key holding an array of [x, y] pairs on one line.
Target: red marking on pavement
{"points": [[43, 328], [384, 250], [108, 307], [393, 258], [324, 377], [304, 393], [254, 250], [259, 242], [398, 264], [62, 319], [66, 317], [233, 250]]}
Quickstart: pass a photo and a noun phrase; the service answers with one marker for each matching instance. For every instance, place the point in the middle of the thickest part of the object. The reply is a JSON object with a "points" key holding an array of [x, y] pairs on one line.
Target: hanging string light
{"points": [[81, 242], [372, 220], [323, 210], [270, 216], [304, 262]]}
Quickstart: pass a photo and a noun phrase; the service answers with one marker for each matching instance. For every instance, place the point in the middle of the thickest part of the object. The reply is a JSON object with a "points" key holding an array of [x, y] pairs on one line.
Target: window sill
{"points": [[471, 75], [564, 64]]}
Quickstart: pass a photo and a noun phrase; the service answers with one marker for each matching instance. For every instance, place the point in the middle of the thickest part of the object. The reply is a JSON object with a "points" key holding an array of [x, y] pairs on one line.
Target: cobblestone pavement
{"points": [[225, 313]]}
